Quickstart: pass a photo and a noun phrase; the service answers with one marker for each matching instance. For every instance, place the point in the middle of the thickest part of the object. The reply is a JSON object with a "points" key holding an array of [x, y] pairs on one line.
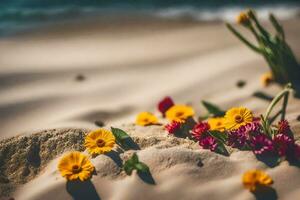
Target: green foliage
{"points": [[273, 48], [213, 110], [220, 136], [121, 137], [266, 119], [134, 164]]}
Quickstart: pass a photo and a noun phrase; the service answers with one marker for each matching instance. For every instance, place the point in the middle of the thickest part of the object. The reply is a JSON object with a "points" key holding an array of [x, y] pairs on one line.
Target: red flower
{"points": [[283, 127], [173, 127], [165, 104], [199, 129]]}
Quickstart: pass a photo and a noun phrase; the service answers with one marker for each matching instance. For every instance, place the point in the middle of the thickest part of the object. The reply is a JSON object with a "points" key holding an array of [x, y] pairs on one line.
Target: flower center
{"points": [[76, 168], [100, 143], [219, 124], [179, 114], [238, 119]]}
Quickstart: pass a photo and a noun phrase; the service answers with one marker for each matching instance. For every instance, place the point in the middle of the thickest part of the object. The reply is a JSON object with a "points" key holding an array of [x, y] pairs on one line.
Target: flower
{"points": [[237, 138], [173, 127], [284, 144], [165, 104], [243, 18], [179, 113], [253, 127], [283, 127], [199, 129], [75, 165], [216, 123], [261, 144], [99, 141], [208, 143], [266, 79], [146, 118], [237, 117], [253, 179]]}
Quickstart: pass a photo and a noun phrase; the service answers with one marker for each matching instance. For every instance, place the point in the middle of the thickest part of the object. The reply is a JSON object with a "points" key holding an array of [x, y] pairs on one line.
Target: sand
{"points": [[57, 83]]}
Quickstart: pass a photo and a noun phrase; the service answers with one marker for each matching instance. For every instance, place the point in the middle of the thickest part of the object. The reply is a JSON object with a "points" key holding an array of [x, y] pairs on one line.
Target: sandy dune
{"points": [[126, 71]]}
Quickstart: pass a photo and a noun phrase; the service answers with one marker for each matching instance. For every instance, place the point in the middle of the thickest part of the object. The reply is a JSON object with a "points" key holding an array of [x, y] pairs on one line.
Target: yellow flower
{"points": [[75, 165], [146, 118], [243, 18], [252, 179], [179, 113], [237, 117], [217, 123], [99, 141], [266, 79]]}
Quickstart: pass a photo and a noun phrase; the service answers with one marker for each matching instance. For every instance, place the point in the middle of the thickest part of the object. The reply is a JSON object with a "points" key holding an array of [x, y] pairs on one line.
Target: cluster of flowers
{"points": [[75, 165], [238, 128]]}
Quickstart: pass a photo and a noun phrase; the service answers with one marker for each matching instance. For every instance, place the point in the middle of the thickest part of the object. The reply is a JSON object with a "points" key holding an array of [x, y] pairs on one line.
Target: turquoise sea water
{"points": [[16, 15]]}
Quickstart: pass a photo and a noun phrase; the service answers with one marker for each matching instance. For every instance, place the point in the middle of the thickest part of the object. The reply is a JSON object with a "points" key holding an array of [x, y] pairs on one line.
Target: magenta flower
{"points": [[208, 143], [199, 129], [165, 104], [261, 144], [283, 144], [173, 127], [283, 127], [237, 138], [253, 127]]}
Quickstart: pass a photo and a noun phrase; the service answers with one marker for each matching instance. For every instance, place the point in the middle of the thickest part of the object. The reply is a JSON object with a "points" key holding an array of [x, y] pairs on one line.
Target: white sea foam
{"points": [[228, 13]]}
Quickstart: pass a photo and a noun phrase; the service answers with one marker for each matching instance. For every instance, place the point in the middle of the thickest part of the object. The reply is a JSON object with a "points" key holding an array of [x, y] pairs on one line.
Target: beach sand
{"points": [[56, 83]]}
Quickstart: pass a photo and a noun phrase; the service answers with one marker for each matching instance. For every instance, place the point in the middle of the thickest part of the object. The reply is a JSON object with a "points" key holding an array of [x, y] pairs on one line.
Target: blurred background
{"points": [[20, 15]]}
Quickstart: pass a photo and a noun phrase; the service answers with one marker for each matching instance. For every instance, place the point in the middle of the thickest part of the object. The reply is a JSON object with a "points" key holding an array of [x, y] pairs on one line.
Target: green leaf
{"points": [[134, 163], [128, 168], [213, 109], [119, 133], [221, 149], [142, 167], [135, 158], [221, 136], [121, 137]]}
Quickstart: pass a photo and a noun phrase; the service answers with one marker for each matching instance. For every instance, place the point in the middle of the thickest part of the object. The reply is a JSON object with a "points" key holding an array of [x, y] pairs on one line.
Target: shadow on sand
{"points": [[82, 190], [146, 177], [266, 193]]}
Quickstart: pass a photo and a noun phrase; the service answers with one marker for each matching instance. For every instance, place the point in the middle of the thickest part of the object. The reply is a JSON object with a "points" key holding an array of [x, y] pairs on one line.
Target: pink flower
{"points": [[208, 143], [173, 127], [261, 144], [199, 129], [165, 104]]}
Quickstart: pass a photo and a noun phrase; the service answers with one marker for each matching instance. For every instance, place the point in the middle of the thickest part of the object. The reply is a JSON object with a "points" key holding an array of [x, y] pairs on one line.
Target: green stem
{"points": [[244, 40], [277, 26], [276, 100], [285, 101], [259, 27]]}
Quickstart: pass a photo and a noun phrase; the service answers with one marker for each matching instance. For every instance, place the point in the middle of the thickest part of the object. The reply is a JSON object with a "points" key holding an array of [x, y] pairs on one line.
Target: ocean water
{"points": [[18, 15]]}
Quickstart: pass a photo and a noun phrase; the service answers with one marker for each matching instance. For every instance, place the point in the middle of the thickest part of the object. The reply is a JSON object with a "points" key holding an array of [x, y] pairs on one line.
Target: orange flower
{"points": [[253, 179], [75, 165], [179, 113], [146, 118]]}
